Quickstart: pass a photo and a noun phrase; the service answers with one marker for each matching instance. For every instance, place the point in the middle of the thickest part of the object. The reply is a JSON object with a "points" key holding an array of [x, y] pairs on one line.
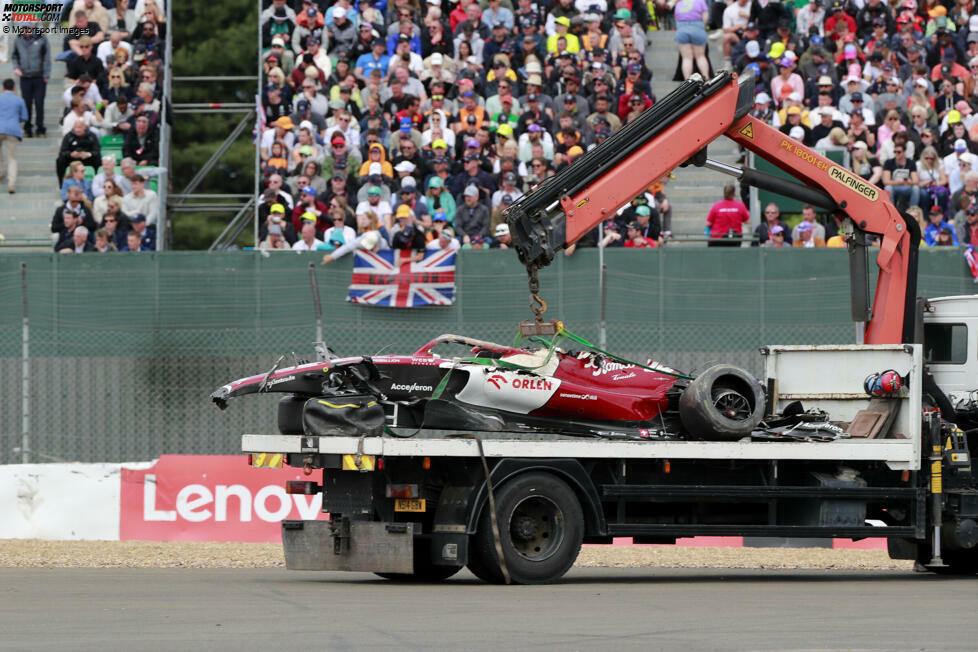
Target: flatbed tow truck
{"points": [[516, 508]]}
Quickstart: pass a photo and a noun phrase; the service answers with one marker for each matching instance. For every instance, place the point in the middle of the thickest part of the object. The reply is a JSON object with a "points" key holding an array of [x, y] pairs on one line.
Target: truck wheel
{"points": [[424, 570], [290, 415], [541, 525], [724, 402]]}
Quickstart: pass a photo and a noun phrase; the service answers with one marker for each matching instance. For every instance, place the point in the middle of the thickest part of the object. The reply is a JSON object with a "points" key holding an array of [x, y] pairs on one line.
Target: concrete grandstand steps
{"points": [[25, 217], [694, 190]]}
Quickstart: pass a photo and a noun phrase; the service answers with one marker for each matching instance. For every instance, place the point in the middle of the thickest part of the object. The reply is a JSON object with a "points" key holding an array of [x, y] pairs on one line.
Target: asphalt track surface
{"points": [[590, 609]]}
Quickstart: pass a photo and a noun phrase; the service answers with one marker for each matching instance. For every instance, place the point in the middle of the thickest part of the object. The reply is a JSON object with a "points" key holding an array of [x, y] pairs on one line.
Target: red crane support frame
{"points": [[867, 206]]}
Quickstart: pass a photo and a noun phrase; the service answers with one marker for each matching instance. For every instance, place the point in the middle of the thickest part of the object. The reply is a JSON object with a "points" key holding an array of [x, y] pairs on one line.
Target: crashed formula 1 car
{"points": [[497, 388]]}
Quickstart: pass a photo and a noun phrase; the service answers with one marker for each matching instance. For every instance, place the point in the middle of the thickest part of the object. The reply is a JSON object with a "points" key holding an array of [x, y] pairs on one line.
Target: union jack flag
{"points": [[389, 278]]}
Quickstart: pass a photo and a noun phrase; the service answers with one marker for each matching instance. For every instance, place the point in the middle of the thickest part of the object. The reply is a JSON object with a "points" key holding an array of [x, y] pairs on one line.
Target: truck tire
{"points": [[290, 415], [724, 402], [541, 525], [424, 570]]}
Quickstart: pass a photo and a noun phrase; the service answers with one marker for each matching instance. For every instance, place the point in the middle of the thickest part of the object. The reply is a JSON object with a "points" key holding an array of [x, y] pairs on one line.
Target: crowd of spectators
{"points": [[108, 120], [413, 125], [888, 83]]}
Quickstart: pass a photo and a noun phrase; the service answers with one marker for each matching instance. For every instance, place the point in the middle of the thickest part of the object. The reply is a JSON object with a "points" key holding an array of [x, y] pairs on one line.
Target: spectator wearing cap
{"points": [[309, 205], [838, 14], [409, 196], [762, 107], [376, 155], [739, 55], [472, 217], [304, 113], [874, 14], [535, 137], [375, 204], [776, 237], [439, 199], [407, 233], [508, 188], [501, 237], [445, 236], [787, 77], [793, 122], [275, 214], [274, 240], [936, 225], [376, 59], [632, 105], [603, 115], [341, 30], [498, 43], [635, 239], [562, 31], [280, 131], [470, 114], [806, 238], [472, 175], [534, 112]]}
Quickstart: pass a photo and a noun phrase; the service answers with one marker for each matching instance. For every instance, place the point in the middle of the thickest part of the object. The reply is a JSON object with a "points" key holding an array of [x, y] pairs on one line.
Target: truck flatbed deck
{"points": [[898, 454]]}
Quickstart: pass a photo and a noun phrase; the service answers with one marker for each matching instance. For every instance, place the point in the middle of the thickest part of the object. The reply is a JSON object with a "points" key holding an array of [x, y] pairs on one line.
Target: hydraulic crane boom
{"points": [[676, 131]]}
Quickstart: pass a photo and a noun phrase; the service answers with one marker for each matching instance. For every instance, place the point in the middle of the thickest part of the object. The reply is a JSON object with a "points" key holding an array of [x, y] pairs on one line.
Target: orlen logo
{"points": [[520, 383], [496, 379]]}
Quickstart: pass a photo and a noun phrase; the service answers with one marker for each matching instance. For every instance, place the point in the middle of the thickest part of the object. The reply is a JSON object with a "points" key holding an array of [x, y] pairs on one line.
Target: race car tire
{"points": [[541, 525], [724, 402], [290, 415]]}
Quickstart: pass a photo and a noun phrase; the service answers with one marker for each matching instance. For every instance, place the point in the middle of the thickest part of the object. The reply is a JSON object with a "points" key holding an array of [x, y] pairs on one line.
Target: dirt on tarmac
{"points": [[33, 553]]}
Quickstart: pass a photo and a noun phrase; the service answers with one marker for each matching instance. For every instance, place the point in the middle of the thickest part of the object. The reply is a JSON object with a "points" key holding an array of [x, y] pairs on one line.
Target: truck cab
{"points": [[951, 344]]}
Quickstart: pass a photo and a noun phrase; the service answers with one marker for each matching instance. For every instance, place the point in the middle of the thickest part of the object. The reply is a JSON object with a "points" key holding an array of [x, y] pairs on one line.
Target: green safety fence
{"points": [[125, 349]]}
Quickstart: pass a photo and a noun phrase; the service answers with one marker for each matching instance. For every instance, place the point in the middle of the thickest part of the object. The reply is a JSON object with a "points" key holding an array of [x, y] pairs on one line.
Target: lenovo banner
{"points": [[211, 498]]}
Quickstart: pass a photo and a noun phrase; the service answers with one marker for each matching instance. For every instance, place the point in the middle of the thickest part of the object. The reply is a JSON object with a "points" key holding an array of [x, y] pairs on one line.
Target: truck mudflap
{"points": [[348, 545]]}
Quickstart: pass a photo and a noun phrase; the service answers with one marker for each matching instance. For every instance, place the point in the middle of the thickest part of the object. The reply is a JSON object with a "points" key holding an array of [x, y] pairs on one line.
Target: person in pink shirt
{"points": [[787, 77], [726, 219]]}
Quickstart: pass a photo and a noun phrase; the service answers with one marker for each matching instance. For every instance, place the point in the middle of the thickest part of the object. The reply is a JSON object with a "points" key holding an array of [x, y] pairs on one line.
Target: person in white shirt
{"points": [[445, 240], [309, 241], [339, 234], [141, 200], [735, 19]]}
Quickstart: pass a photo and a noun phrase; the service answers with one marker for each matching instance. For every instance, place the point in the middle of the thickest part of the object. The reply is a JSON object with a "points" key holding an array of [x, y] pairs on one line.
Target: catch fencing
{"points": [[124, 350]]}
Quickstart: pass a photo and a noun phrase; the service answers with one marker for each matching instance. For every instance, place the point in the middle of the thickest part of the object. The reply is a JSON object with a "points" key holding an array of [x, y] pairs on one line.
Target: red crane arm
{"points": [[677, 130], [866, 205]]}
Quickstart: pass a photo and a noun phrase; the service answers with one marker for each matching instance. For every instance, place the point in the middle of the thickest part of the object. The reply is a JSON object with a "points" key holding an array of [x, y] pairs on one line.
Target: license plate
{"points": [[409, 504]]}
